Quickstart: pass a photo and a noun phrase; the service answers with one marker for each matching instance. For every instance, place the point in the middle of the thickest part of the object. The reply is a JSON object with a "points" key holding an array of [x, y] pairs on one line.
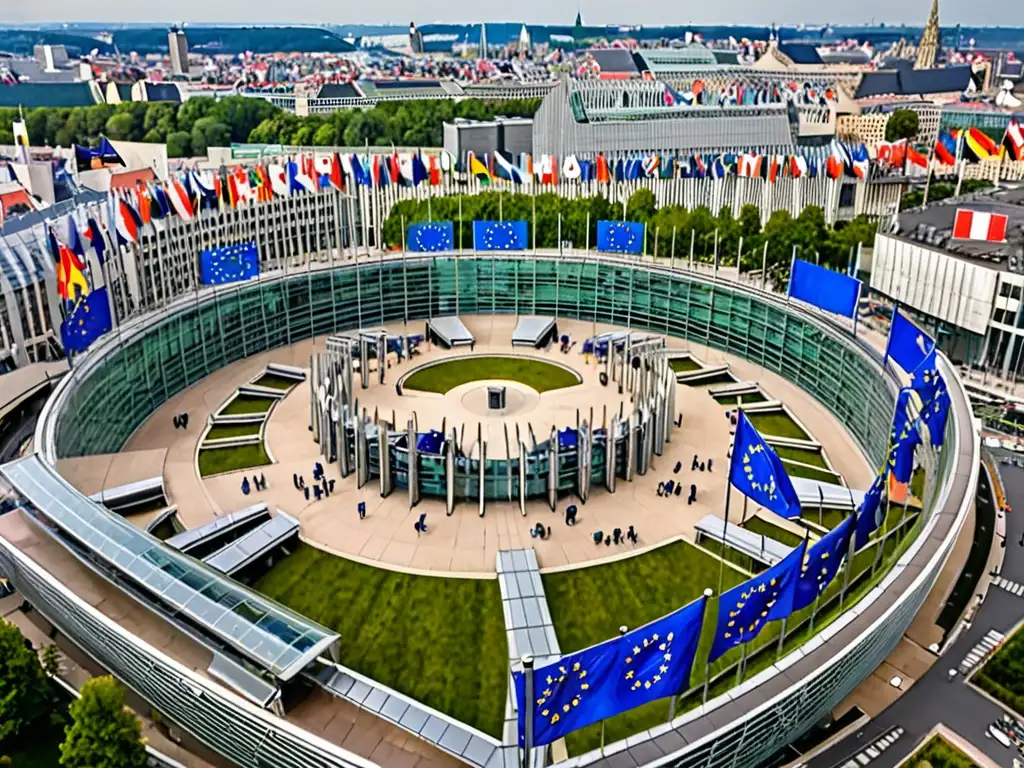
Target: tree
{"points": [[51, 660], [179, 144], [103, 732], [24, 689], [903, 124]]}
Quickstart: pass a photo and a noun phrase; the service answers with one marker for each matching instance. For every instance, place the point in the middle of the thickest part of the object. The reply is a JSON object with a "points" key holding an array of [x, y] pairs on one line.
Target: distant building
{"points": [[50, 57], [177, 44], [928, 48], [512, 136]]}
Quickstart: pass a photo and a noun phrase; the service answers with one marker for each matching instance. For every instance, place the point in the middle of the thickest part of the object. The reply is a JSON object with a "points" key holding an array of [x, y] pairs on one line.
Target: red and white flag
{"points": [[979, 225]]}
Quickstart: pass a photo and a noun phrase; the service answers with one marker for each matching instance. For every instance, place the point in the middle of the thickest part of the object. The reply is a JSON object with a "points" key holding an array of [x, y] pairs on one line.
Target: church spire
{"points": [[928, 48]]}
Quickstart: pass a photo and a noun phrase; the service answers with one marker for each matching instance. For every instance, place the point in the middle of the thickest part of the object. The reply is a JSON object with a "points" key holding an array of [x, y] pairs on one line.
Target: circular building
{"points": [[318, 516]]}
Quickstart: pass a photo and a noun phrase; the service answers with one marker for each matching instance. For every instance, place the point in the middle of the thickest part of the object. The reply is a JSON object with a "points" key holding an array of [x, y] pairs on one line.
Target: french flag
{"points": [[126, 221], [979, 225]]}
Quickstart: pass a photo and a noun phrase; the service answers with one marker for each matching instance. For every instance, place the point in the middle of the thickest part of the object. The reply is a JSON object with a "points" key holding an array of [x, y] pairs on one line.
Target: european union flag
{"points": [[88, 319], [821, 563], [903, 438], [907, 345], [620, 236], [744, 610], [655, 660], [926, 377], [569, 694], [500, 235], [430, 237], [229, 264], [935, 413], [869, 513], [832, 291], [757, 472]]}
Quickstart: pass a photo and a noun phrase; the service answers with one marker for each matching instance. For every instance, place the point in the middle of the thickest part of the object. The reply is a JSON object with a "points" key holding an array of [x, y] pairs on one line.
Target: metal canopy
{"points": [[278, 640]]}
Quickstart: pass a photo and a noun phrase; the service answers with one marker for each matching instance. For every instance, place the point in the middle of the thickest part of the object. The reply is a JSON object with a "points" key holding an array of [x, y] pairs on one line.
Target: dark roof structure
{"points": [[906, 81], [30, 95], [800, 53], [614, 60], [338, 91], [162, 92], [933, 226]]}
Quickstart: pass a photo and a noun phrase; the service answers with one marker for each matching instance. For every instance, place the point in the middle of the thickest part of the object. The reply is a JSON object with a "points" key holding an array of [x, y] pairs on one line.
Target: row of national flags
{"points": [[656, 660], [972, 145], [838, 160]]}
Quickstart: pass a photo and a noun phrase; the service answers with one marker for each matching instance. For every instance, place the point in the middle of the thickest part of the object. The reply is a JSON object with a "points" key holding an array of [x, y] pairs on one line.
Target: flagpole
{"points": [[707, 667], [850, 552], [528, 697], [725, 528], [928, 178], [673, 248], [764, 267], [741, 665]]}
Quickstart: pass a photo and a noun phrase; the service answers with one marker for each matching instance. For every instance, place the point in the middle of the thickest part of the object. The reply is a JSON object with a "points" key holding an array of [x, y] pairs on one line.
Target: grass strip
{"points": [[274, 381], [777, 423], [439, 640], [214, 461], [248, 404], [221, 431], [540, 375]]}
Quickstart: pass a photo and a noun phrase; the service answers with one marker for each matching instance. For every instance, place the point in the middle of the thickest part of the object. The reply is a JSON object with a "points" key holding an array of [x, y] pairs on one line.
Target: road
{"points": [[934, 699]]}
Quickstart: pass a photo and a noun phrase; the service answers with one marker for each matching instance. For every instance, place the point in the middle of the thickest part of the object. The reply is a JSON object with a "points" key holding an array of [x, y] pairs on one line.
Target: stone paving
{"points": [[466, 543]]}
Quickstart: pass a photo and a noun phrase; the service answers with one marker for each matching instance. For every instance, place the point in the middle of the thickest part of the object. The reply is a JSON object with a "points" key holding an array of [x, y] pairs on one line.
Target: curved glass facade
{"points": [[146, 368]]}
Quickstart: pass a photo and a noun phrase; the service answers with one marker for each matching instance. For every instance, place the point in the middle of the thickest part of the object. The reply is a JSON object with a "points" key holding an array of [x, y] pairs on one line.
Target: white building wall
{"points": [[934, 282]]}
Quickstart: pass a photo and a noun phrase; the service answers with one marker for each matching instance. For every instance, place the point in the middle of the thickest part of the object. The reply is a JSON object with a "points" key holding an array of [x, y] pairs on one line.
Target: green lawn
{"points": [[588, 605], [220, 431], [438, 640], [750, 397], [811, 473], [723, 377], [1002, 676], [939, 753], [684, 364], [540, 375], [274, 381], [248, 404], [765, 528], [213, 461], [830, 518], [777, 423], [810, 456]]}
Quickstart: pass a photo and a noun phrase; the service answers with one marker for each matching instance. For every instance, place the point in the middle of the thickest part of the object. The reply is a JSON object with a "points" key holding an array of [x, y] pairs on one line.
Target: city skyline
{"points": [[596, 12]]}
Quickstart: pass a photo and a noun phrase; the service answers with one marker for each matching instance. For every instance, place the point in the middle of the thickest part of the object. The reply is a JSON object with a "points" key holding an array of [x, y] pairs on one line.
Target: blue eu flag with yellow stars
{"points": [[935, 413], [500, 235], [655, 660], [821, 563], [756, 471], [907, 344], [620, 236], [870, 511], [229, 264], [569, 694], [430, 237], [903, 438], [744, 610], [88, 319]]}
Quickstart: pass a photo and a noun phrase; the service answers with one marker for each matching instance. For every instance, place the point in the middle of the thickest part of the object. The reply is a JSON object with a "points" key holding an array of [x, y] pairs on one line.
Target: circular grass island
{"points": [[444, 376]]}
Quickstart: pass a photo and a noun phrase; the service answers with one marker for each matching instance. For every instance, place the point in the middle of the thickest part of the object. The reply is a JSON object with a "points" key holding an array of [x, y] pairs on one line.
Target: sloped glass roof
{"points": [[276, 639]]}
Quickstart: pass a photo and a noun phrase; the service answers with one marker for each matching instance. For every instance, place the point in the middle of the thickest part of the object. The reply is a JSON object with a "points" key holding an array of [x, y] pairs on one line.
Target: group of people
{"points": [[675, 487], [617, 537], [258, 483], [181, 421], [322, 485]]}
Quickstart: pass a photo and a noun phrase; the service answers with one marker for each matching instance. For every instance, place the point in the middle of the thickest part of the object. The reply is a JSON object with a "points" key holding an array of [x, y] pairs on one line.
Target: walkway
{"points": [[466, 543]]}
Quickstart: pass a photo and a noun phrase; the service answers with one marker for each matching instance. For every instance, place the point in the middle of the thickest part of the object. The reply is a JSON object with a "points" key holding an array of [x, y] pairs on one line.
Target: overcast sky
{"points": [[649, 12]]}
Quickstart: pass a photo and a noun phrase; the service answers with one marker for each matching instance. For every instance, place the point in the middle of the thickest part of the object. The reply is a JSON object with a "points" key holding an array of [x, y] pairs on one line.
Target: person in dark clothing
{"points": [[616, 536], [184, 420], [661, 489], [263, 482], [295, 479], [631, 535], [696, 463], [597, 536], [679, 489], [693, 493], [702, 466], [177, 422], [679, 466], [709, 465], [570, 515], [361, 508]]}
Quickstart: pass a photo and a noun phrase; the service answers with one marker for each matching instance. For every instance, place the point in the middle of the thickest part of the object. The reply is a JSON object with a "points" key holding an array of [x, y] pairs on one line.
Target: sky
{"points": [[649, 12]]}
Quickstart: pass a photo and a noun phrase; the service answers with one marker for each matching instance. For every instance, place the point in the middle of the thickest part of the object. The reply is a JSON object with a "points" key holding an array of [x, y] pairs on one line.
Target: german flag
{"points": [[979, 146]]}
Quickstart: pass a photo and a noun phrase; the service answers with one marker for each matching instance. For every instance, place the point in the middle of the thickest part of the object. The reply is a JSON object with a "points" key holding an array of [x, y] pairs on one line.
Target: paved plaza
{"points": [[465, 543]]}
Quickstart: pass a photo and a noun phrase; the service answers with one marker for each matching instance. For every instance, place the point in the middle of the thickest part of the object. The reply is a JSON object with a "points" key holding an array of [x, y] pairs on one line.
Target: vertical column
{"points": [[382, 356], [384, 458], [523, 466], [449, 474], [314, 390], [364, 362], [482, 451], [341, 428], [631, 436], [414, 465], [583, 461], [553, 470], [362, 454], [611, 455]]}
